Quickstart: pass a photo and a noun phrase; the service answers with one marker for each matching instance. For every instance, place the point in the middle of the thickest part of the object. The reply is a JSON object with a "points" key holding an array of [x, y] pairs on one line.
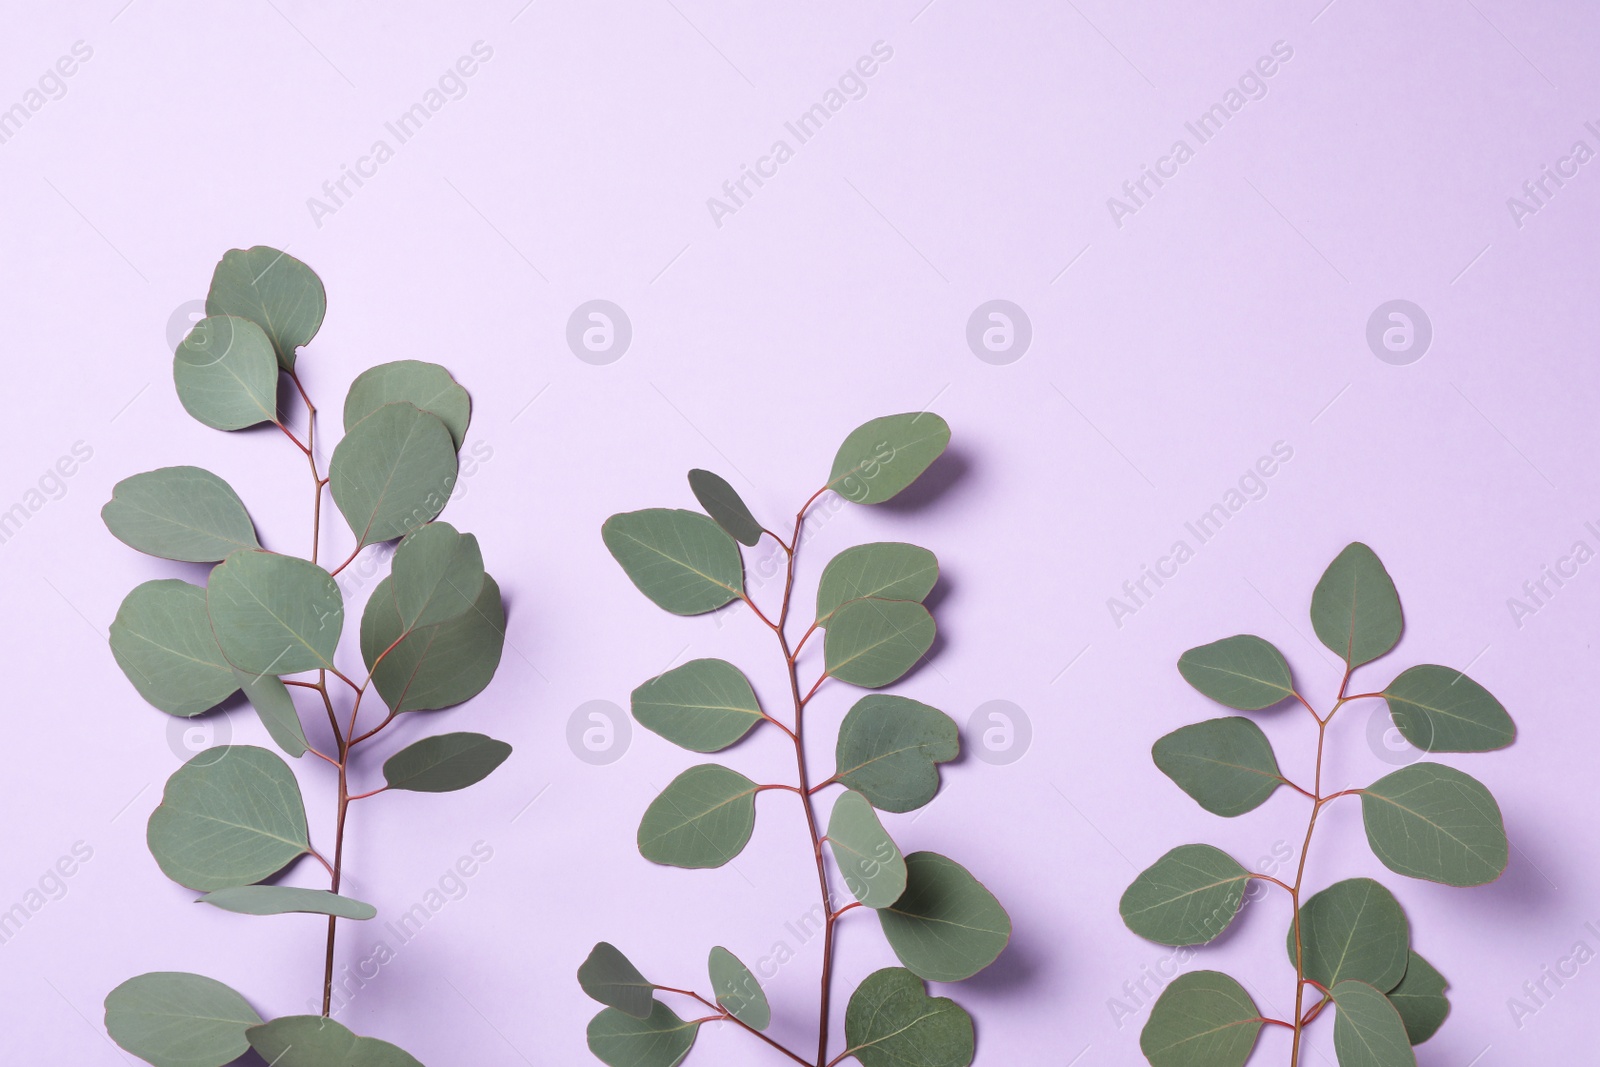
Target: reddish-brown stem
{"points": [[304, 685], [847, 907], [820, 786], [804, 638], [723, 1013], [1300, 980], [778, 724], [813, 690], [348, 560], [319, 858], [387, 720], [1276, 1022], [759, 613], [1296, 788], [1341, 793], [290, 435], [777, 785], [370, 793], [1277, 882]]}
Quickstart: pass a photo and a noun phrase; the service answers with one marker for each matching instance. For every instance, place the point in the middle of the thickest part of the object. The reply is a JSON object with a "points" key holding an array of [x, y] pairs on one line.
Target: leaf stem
{"points": [[725, 1014], [1299, 879]]}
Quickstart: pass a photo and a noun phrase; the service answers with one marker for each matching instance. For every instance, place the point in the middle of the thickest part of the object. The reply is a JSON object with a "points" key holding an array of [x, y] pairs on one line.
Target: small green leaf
{"points": [[1441, 710], [1187, 897], [1367, 1030], [162, 640], [444, 763], [283, 899], [1420, 1000], [1242, 672], [275, 707], [1432, 821], [436, 666], [660, 1040], [226, 375], [392, 472], [681, 560], [437, 575], [882, 457], [274, 614], [1353, 929], [892, 1022], [274, 290], [736, 989], [724, 504], [873, 869], [1355, 609], [611, 978], [1225, 764], [946, 926], [702, 819], [313, 1041], [182, 513], [873, 643], [887, 570], [427, 386], [890, 748], [176, 1019], [230, 816], [704, 705], [1202, 1019]]}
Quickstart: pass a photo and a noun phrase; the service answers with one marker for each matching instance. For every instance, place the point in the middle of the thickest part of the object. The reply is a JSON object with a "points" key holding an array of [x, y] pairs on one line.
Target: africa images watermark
{"points": [[1553, 577], [1552, 979], [51, 486], [1537, 192], [50, 887], [51, 85]]}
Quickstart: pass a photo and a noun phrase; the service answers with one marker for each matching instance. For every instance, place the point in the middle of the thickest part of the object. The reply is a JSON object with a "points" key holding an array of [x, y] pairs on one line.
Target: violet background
{"points": [[1167, 356]]}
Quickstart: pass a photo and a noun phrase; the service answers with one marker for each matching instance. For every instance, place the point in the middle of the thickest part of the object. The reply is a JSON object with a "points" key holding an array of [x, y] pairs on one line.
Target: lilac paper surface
{"points": [[1176, 338]]}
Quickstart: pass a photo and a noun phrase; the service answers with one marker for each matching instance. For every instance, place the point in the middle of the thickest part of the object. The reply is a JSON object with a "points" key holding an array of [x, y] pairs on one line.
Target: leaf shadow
{"points": [[1017, 966], [1525, 888], [953, 467], [249, 1059]]}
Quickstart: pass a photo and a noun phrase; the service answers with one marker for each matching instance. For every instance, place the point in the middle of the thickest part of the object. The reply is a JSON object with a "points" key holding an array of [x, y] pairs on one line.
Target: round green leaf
{"points": [[946, 926], [873, 643], [660, 1040], [275, 707], [1355, 609], [1225, 764], [1420, 1000], [888, 570], [283, 899], [736, 989], [176, 1019], [313, 1041], [1202, 1019], [444, 763], [437, 575], [611, 978], [1432, 821], [1442, 710], [873, 869], [702, 819], [882, 457], [892, 1022], [681, 560], [1367, 1030], [392, 472], [889, 749], [1243, 672], [1186, 897], [427, 386], [274, 614], [274, 290], [436, 666], [162, 640], [1353, 929], [226, 374], [182, 513], [704, 705], [724, 504], [230, 816]]}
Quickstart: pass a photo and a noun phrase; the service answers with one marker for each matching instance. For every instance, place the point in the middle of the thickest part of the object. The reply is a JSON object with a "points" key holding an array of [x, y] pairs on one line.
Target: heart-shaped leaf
{"points": [[1243, 672], [176, 1019], [274, 290], [1432, 821], [284, 899], [426, 386], [162, 640], [1367, 1031], [435, 666], [702, 819], [946, 926], [704, 705], [736, 989], [887, 570], [392, 472], [681, 560], [892, 1022], [1226, 764], [226, 374], [274, 614], [873, 643], [724, 504], [313, 1041], [445, 763], [436, 575], [659, 1040], [870, 862], [275, 707], [1202, 1019], [1355, 609], [182, 513], [889, 750], [1187, 897], [1420, 1000], [1442, 710], [882, 457], [611, 978], [1353, 929]]}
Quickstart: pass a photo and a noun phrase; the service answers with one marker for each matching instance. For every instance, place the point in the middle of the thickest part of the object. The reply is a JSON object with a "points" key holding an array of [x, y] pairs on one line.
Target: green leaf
{"points": [[884, 456], [1355, 610], [887, 570], [873, 643], [1202, 1019], [661, 1040], [611, 978], [162, 640], [274, 614], [226, 375], [704, 705], [427, 386], [1353, 929], [1434, 822], [437, 573], [1242, 672], [230, 816], [1225, 764], [313, 1041], [1442, 710], [681, 560], [176, 1019], [275, 707], [946, 926], [274, 290], [1367, 1031], [444, 763], [392, 472], [735, 988], [283, 899], [436, 666], [889, 750], [182, 513], [1187, 897], [873, 869], [892, 1022], [702, 819], [725, 506], [1420, 1000]]}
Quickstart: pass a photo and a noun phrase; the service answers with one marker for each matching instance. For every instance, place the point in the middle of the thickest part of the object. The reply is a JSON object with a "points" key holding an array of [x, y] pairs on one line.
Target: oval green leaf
{"points": [[226, 375], [659, 1040], [1435, 822], [1243, 672], [437, 575], [177, 1019], [704, 705], [946, 926], [888, 570], [735, 988], [274, 614], [892, 1022], [681, 560], [1355, 609], [873, 643], [870, 862], [426, 386], [1225, 764], [313, 1041], [1420, 1000], [1187, 897], [444, 763], [724, 504], [284, 899], [1367, 1030], [162, 640], [182, 513], [882, 457], [702, 819], [1442, 710], [392, 472], [890, 748], [1202, 1019], [1353, 929], [436, 666], [611, 978], [275, 707], [275, 291]]}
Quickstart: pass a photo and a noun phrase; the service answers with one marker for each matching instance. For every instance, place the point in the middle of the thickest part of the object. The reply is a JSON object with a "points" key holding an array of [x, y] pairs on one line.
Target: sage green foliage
{"points": [[873, 629], [1352, 938], [233, 816]]}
